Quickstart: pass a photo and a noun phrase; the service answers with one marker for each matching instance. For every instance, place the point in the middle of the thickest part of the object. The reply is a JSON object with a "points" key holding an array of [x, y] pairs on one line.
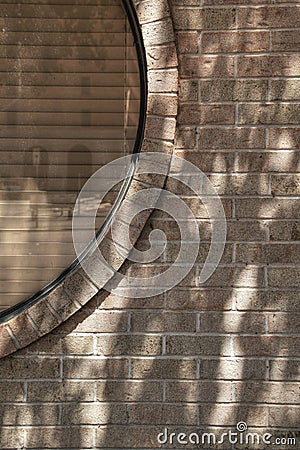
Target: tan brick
{"points": [[195, 114], [238, 138], [206, 66], [23, 329], [79, 287], [43, 317], [218, 322], [227, 414], [285, 231], [268, 66], [29, 368], [7, 345], [134, 437], [285, 184], [267, 392], [285, 41], [284, 369], [269, 114], [250, 231], [269, 17], [188, 90], [247, 276], [162, 322], [148, 12], [285, 90], [11, 438], [281, 138], [96, 322], [111, 301], [66, 391], [161, 57], [266, 346], [160, 128], [163, 414], [232, 90], [163, 368], [264, 162], [268, 254], [129, 391], [93, 414], [162, 105], [61, 303], [129, 345], [95, 368], [11, 392], [172, 251], [57, 344], [187, 42], [197, 300], [267, 208], [232, 369], [204, 19], [159, 32], [58, 437], [259, 300], [199, 211], [284, 277], [284, 416], [199, 391], [197, 345], [185, 138], [232, 42], [234, 2], [242, 184], [281, 322], [162, 81], [29, 414]]}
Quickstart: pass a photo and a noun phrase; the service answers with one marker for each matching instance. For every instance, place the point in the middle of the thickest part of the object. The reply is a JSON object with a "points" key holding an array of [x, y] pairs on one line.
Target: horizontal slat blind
{"points": [[69, 103]]}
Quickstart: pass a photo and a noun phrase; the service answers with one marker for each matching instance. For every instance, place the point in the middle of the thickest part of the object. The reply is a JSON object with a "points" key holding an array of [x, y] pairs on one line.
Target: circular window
{"points": [[73, 98]]}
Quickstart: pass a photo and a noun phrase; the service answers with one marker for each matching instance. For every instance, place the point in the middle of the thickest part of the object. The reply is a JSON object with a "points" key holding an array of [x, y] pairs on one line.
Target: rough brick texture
{"points": [[199, 357]]}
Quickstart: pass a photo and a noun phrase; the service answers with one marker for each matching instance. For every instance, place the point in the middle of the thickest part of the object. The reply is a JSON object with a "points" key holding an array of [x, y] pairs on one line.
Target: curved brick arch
{"points": [[76, 289]]}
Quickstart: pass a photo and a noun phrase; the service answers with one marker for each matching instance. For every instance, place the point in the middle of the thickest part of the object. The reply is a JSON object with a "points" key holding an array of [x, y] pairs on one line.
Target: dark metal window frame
{"points": [[141, 57]]}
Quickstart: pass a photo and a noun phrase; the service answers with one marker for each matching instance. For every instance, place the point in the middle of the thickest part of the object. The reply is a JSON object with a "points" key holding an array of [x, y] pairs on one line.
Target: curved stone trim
{"points": [[76, 290]]}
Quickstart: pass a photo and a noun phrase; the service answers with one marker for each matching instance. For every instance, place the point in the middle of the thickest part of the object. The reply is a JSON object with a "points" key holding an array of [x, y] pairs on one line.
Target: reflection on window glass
{"points": [[69, 97]]}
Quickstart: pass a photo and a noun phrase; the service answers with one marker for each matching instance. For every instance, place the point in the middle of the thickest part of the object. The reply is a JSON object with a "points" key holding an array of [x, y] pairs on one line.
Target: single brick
{"points": [[134, 437], [11, 392], [7, 345], [197, 345], [284, 416], [129, 391], [96, 322], [197, 300], [227, 414], [285, 184], [232, 90], [154, 414], [236, 138], [195, 114], [249, 231], [242, 184], [267, 392], [161, 57], [95, 368], [162, 322], [112, 301], [162, 105], [29, 415], [160, 128], [269, 114], [156, 33], [235, 42], [204, 19], [248, 276], [66, 391], [281, 322], [129, 345], [187, 42], [285, 41], [23, 329], [268, 66], [258, 300], [57, 344], [284, 90], [163, 81], [11, 438], [40, 367], [232, 369], [188, 90], [163, 368], [60, 437], [199, 391], [148, 12], [284, 277], [93, 414], [284, 138], [206, 66], [185, 138], [268, 208], [284, 369], [269, 17], [285, 231], [264, 162], [217, 322], [266, 346]]}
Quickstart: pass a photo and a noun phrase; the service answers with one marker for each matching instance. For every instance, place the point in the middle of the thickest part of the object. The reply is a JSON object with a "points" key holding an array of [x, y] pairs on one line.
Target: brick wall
{"points": [[199, 357]]}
